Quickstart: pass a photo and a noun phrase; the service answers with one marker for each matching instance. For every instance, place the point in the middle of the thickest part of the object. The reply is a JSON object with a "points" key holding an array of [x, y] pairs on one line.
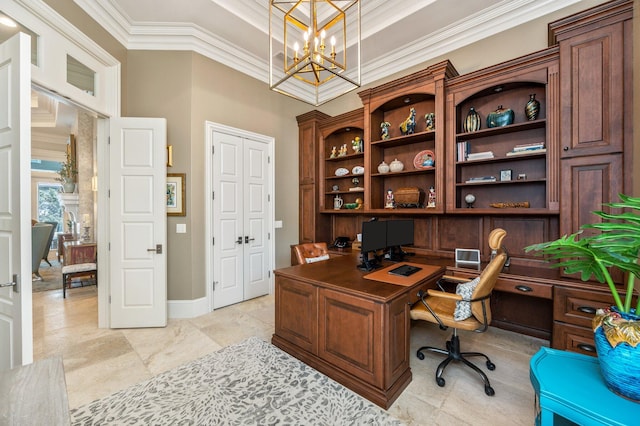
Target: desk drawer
{"points": [[508, 285], [578, 307], [574, 339]]}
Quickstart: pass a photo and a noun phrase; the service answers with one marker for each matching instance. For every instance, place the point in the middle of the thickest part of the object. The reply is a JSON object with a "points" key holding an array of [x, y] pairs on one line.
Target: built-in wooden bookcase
{"points": [[392, 103], [343, 131], [517, 175]]}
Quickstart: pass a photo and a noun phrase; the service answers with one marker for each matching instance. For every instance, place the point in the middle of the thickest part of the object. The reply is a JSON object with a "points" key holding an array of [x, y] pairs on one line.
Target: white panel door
{"points": [[16, 330], [228, 227], [256, 216], [138, 230], [241, 218]]}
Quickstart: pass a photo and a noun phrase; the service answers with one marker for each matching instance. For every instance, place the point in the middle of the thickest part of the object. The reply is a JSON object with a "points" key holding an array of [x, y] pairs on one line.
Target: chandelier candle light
{"points": [[298, 35]]}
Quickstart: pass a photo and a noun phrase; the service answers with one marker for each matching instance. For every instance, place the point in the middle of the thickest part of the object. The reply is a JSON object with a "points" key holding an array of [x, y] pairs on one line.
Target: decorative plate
{"points": [[358, 170], [424, 160], [342, 171]]}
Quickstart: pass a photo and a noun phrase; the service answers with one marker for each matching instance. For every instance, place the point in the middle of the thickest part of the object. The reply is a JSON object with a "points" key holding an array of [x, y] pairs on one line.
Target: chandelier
{"points": [[314, 48]]}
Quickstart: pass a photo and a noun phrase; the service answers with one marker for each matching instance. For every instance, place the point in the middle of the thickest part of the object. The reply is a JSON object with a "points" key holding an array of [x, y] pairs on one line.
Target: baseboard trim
{"points": [[187, 308]]}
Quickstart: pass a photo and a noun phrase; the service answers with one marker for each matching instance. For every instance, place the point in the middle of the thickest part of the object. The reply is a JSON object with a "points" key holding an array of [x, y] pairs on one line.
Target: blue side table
{"points": [[569, 386]]}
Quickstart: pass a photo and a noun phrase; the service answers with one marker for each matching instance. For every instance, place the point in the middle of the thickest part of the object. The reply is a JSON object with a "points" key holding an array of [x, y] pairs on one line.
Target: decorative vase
{"points": [[500, 117], [619, 364], [472, 122], [68, 187], [383, 167], [396, 166], [532, 108]]}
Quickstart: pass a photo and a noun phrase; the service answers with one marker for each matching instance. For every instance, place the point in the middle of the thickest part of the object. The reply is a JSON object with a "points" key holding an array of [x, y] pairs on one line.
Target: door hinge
{"points": [[213, 149], [268, 159], [213, 195], [213, 241], [109, 140], [215, 283], [268, 198], [109, 246], [269, 273], [109, 299], [108, 193], [268, 235]]}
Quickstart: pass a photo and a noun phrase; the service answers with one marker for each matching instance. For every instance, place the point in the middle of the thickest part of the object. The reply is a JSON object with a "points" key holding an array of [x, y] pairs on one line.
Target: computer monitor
{"points": [[399, 233], [374, 238]]}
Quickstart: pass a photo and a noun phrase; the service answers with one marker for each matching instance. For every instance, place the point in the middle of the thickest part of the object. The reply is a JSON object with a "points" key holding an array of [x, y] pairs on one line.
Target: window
{"points": [[49, 208], [80, 76]]}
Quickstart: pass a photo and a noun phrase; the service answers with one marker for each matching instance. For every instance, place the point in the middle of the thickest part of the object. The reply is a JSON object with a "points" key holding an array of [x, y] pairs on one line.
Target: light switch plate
{"points": [[181, 228], [277, 224]]}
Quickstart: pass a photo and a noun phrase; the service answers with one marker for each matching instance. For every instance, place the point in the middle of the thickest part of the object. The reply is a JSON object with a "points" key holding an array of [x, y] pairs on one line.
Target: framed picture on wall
{"points": [[505, 175], [176, 188]]}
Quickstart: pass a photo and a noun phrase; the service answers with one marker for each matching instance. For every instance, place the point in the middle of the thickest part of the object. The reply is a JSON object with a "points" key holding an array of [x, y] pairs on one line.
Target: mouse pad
{"points": [[384, 275]]}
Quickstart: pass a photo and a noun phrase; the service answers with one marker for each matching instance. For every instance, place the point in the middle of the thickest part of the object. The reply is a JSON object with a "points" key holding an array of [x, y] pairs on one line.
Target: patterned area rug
{"points": [[251, 383], [51, 277]]}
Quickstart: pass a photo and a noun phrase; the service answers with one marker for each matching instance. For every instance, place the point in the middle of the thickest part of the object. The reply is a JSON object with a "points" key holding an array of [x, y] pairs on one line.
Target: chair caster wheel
{"points": [[420, 355], [491, 366], [489, 390], [440, 382]]}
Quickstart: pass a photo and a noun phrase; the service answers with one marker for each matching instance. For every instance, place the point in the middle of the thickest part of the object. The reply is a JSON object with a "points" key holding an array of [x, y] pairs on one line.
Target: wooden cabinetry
{"points": [[511, 173], [423, 93], [312, 226], [596, 64], [353, 329]]}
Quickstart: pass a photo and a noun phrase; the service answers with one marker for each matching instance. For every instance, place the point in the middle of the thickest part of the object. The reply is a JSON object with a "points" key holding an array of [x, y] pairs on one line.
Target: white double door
{"points": [[241, 218]]}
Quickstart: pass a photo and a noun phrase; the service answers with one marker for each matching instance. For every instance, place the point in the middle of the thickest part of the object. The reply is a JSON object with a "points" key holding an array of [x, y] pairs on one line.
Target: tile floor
{"points": [[99, 362]]}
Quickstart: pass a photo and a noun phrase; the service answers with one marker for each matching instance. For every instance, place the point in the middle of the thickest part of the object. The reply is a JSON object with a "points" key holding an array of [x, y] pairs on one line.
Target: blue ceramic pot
{"points": [[620, 366], [500, 117]]}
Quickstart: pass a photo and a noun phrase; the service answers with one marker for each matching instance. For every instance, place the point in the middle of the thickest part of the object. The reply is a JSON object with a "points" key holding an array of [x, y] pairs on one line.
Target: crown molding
{"points": [[379, 14]]}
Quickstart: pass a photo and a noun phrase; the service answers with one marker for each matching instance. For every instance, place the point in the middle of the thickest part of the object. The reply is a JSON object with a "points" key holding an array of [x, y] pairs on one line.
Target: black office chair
{"points": [[468, 309]]}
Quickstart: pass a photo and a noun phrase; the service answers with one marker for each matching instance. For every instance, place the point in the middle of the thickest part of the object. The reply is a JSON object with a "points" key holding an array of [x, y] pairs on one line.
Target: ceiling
{"points": [[396, 34]]}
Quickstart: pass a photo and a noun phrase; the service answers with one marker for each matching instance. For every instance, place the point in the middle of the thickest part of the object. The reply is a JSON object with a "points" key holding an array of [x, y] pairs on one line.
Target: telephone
{"points": [[341, 242]]}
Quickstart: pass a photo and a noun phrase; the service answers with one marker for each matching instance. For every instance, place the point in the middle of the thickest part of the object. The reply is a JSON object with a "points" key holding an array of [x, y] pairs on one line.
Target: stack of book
{"points": [[481, 179], [479, 155], [527, 149], [463, 151]]}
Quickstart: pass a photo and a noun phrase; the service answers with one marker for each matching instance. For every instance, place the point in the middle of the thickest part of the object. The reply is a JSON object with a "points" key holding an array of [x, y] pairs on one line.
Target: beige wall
{"points": [[189, 89]]}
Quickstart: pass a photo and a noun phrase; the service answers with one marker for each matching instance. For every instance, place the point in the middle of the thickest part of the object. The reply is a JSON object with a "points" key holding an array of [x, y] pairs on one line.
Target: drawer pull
{"points": [[586, 348], [587, 309], [523, 288]]}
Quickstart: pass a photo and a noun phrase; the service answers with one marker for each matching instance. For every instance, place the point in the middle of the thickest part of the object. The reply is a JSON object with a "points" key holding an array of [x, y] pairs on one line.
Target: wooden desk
{"points": [[352, 329], [79, 252]]}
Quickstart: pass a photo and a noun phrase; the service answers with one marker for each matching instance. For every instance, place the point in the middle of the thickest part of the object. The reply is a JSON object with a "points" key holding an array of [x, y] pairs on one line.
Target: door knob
{"points": [[247, 239], [13, 284], [239, 240], [158, 249]]}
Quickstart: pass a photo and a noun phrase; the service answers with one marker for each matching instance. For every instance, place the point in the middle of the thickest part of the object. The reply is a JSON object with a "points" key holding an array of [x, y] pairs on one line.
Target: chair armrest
{"points": [[443, 294], [452, 279]]}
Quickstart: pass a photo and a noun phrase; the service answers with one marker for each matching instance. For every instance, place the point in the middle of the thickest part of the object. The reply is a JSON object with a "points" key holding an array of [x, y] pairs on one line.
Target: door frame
{"points": [[49, 75], [210, 129]]}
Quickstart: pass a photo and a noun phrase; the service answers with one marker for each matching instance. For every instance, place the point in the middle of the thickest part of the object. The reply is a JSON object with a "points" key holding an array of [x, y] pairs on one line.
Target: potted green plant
{"points": [[68, 172], [614, 246]]}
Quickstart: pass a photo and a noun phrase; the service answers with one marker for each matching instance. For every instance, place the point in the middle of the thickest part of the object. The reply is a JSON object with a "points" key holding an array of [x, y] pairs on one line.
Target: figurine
{"points": [[390, 203], [427, 161], [385, 130], [356, 144], [343, 150], [334, 152], [408, 126], [431, 121], [359, 204], [431, 204]]}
